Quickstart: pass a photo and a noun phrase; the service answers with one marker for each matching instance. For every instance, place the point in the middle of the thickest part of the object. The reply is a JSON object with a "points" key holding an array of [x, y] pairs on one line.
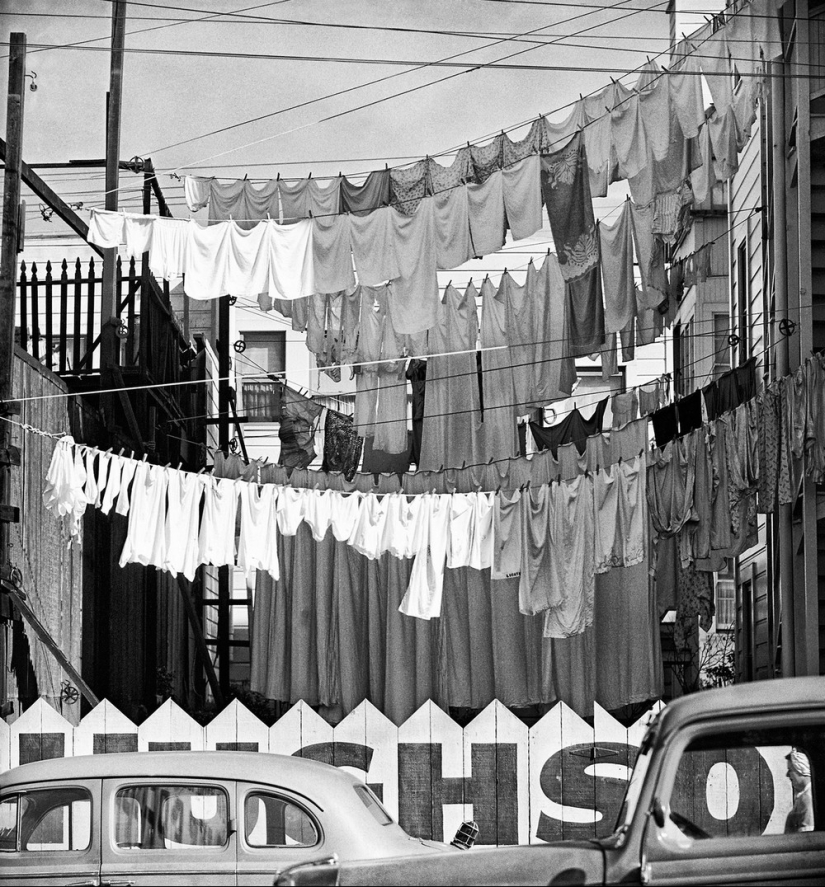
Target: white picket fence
{"points": [[560, 778]]}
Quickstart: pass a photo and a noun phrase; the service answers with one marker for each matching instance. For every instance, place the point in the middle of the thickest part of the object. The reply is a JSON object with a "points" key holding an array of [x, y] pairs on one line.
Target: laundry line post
{"points": [[109, 343], [8, 293], [224, 574]]}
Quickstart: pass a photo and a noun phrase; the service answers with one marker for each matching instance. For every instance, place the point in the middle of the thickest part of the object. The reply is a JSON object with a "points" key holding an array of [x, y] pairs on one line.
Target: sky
{"points": [[205, 93], [177, 88]]}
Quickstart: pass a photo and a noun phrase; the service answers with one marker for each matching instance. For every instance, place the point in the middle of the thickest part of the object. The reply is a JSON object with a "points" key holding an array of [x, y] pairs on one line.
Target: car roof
{"points": [[756, 697], [238, 765]]}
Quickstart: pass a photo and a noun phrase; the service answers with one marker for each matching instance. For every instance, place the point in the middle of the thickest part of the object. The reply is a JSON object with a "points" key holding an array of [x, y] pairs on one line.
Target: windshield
{"points": [[634, 787]]}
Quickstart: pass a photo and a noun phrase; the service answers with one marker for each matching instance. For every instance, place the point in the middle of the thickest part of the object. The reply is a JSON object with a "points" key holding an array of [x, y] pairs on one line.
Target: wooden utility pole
{"points": [[109, 343], [224, 573], [8, 268]]}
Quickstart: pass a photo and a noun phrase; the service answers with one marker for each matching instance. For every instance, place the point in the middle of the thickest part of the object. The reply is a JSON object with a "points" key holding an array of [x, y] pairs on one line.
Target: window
{"points": [[683, 357], [721, 348], [46, 820], [742, 302], [272, 821], [264, 353], [176, 817], [371, 802], [725, 604], [764, 781]]}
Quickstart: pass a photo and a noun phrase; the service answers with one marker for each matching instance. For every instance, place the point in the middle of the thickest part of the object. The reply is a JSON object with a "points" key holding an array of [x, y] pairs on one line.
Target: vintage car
{"points": [[186, 818], [728, 788]]}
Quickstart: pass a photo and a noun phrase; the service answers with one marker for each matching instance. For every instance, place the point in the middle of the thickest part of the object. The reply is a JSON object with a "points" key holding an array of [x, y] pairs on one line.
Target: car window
{"points": [[46, 820], [371, 802], [273, 821], [751, 783], [171, 817]]}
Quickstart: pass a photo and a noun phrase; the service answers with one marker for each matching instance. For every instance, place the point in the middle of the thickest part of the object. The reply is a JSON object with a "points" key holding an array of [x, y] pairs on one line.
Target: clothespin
{"points": [[278, 177], [145, 456], [309, 176], [168, 465], [498, 489], [180, 465], [121, 452]]}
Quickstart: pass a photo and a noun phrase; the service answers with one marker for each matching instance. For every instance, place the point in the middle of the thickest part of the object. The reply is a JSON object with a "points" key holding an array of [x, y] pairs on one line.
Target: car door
{"points": [[276, 828], [167, 831], [49, 835], [730, 808]]}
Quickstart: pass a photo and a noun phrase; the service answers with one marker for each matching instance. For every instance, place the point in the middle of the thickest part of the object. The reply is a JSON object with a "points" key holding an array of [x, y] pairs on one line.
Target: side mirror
{"points": [[657, 811]]}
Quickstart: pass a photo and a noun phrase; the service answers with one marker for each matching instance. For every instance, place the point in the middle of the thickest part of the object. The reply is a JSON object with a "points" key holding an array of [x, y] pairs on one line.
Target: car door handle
{"points": [[116, 883]]}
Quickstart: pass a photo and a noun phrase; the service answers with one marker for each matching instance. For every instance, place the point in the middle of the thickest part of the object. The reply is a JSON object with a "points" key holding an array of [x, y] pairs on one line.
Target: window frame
{"points": [[738, 845], [288, 798], [151, 783], [19, 793]]}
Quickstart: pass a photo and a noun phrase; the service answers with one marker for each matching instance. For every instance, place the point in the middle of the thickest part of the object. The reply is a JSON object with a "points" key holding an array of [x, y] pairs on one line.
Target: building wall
{"points": [[52, 568]]}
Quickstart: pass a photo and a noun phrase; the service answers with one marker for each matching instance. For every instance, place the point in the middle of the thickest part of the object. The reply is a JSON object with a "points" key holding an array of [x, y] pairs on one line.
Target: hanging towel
{"points": [[297, 429], [487, 159], [408, 186], [244, 202], [332, 254], [373, 246], [414, 298], [309, 198], [197, 191], [566, 192], [686, 100], [521, 183], [452, 228], [371, 195], [532, 143], [616, 246], [444, 178], [714, 59], [488, 221]]}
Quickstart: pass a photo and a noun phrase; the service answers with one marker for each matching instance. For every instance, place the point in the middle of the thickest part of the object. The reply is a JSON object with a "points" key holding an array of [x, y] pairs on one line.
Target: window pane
{"points": [[271, 821], [372, 804], [8, 823], [177, 817], [56, 820], [761, 782], [264, 353]]}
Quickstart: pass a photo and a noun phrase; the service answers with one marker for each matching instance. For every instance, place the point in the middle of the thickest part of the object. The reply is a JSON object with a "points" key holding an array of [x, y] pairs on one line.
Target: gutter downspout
{"points": [[780, 268]]}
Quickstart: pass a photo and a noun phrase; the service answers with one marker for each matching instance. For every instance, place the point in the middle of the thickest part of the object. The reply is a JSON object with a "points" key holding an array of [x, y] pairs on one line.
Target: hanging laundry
{"points": [[184, 496], [332, 253], [444, 178], [572, 532], [297, 429], [554, 368], [714, 59], [665, 424], [488, 219], [372, 194], [415, 298], [508, 536], [145, 537], [521, 185], [650, 256], [342, 445], [257, 544], [417, 376], [377, 463], [487, 159], [616, 249], [628, 136], [574, 428], [567, 197], [686, 101], [624, 407], [373, 246], [453, 431], [539, 580], [690, 412], [654, 108], [408, 187], [309, 198], [532, 143], [65, 479], [724, 143], [423, 596], [216, 538], [452, 227]]}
